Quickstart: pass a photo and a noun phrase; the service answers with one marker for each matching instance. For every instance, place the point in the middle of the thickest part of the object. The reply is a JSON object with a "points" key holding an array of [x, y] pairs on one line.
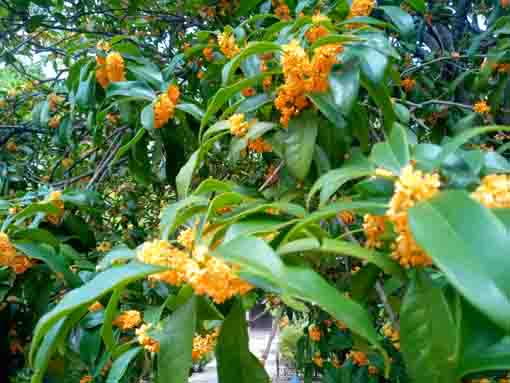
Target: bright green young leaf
{"points": [[134, 89], [393, 154], [121, 365]]}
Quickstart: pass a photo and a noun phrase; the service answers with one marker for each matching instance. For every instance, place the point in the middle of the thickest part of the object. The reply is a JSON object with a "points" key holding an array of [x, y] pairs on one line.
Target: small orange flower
{"points": [[227, 43], [128, 320], [96, 306], [482, 107], [208, 53], [408, 84], [238, 126], [504, 3], [174, 94], [315, 333], [115, 67], [248, 92], [67, 163], [101, 72], [86, 379], [282, 11], [317, 360], [359, 358], [200, 75], [268, 81], [54, 122], [347, 217], [150, 344], [163, 110], [259, 145], [11, 146]]}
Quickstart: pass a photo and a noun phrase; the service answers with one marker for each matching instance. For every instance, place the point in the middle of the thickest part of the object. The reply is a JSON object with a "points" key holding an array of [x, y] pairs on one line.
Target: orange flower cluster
{"points": [[86, 379], [302, 76], [412, 186], [359, 358], [11, 146], [317, 31], [248, 92], [259, 145], [282, 10], [55, 198], [194, 265], [494, 191], [54, 122], [227, 43], [53, 101], [482, 107], [150, 344], [10, 257], [96, 306], [392, 334], [208, 53], [317, 360], [315, 333], [164, 107], [374, 227], [203, 345], [238, 126], [408, 84], [128, 320], [361, 8], [110, 69], [346, 216]]}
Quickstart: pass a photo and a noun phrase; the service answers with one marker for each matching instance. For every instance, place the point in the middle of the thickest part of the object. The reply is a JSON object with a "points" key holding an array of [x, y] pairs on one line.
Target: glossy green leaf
{"points": [[428, 332], [89, 293], [135, 89], [394, 153], [109, 316], [176, 340], [47, 348], [191, 109], [179, 212], [235, 361], [402, 20], [466, 240], [121, 365], [300, 144], [149, 72]]}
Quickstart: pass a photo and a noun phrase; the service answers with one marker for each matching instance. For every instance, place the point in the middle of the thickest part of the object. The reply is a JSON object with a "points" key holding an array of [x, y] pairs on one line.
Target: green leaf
{"points": [[149, 72], [191, 109], [125, 148], [459, 140], [466, 240], [85, 90], [47, 348], [300, 144], [417, 5], [329, 183], [147, 117], [380, 93], [251, 49], [257, 259], [121, 364], [257, 130], [135, 89], [235, 361], [89, 293], [119, 254], [185, 175], [49, 256], [402, 20], [326, 104], [36, 235], [394, 153], [383, 261], [344, 86], [176, 340], [179, 212], [428, 332], [109, 316]]}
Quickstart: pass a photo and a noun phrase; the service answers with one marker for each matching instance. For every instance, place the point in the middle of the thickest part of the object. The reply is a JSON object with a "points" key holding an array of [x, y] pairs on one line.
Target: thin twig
{"points": [[272, 176]]}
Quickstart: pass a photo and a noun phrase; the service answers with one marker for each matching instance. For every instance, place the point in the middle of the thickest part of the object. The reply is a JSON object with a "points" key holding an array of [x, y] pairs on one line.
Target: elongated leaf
{"points": [[192, 110], [47, 348], [300, 144], [177, 213], [394, 153], [258, 259], [149, 72], [109, 316], [466, 240], [134, 89], [251, 49], [235, 361], [383, 261], [174, 359], [428, 336], [402, 20], [121, 364], [88, 293], [119, 254]]}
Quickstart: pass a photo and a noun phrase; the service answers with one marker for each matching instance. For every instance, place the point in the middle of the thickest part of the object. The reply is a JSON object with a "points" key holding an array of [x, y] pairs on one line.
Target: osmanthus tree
{"points": [[349, 158]]}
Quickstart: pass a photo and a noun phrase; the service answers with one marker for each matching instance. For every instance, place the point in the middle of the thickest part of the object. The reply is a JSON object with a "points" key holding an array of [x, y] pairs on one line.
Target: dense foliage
{"points": [[165, 165]]}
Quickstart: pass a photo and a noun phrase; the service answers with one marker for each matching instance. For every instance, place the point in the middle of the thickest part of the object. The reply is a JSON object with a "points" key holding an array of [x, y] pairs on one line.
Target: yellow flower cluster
{"points": [[259, 145], [110, 69], [194, 265], [10, 257], [127, 320], [150, 344], [412, 186], [317, 31], [203, 345], [374, 227], [164, 107], [408, 84], [55, 198], [227, 43], [208, 53], [104, 247], [392, 334], [315, 333], [494, 191], [238, 126], [482, 107], [302, 76]]}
